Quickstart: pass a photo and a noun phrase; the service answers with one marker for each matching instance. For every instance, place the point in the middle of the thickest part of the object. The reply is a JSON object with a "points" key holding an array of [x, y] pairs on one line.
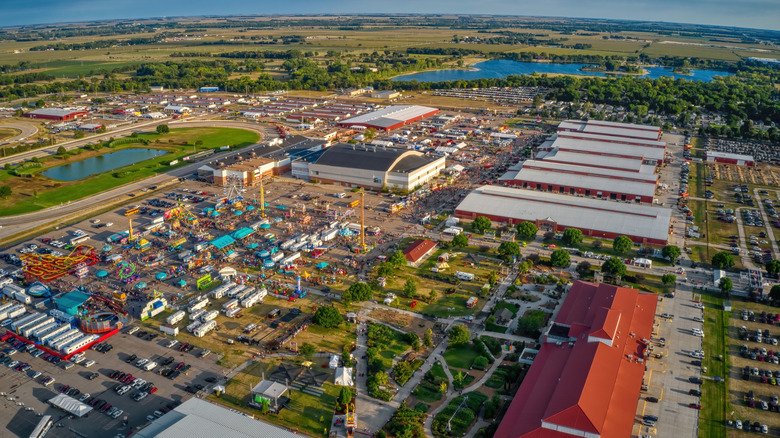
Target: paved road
{"points": [[12, 225], [26, 130], [668, 380]]}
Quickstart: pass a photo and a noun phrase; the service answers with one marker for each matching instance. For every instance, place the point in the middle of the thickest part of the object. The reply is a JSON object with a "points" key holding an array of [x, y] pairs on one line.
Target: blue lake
{"points": [[101, 163], [502, 68]]}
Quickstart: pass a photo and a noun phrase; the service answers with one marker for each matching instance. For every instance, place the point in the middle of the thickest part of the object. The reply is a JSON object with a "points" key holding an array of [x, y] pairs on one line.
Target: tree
{"points": [[774, 293], [163, 129], [398, 259], [508, 249], [5, 191], [460, 241], [457, 379], [492, 278], [459, 335], [583, 268], [621, 244], [357, 292], [480, 362], [572, 236], [481, 223], [345, 396], [78, 134], [527, 230], [726, 285], [672, 252], [265, 408], [614, 267], [327, 317], [443, 387], [433, 296], [560, 258], [410, 288], [428, 338], [307, 350], [531, 323], [773, 268], [668, 279], [62, 151], [722, 260], [385, 269]]}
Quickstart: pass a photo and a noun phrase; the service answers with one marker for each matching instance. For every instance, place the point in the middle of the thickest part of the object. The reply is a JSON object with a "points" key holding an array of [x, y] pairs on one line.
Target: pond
{"points": [[502, 68], [101, 163]]}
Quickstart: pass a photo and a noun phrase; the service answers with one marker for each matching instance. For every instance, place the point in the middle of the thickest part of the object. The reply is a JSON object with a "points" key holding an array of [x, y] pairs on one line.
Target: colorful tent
{"points": [[161, 276], [101, 274]]}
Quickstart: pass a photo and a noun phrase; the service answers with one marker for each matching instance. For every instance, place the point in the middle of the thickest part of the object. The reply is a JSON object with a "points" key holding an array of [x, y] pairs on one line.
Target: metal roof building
{"points": [[582, 158], [374, 166], [728, 158], [613, 139], [198, 418], [616, 129], [61, 114], [614, 149], [390, 117], [586, 379], [582, 180], [555, 212]]}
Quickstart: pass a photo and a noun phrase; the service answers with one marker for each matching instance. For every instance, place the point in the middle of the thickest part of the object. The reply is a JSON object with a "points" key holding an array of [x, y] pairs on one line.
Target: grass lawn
{"points": [[427, 392], [495, 328], [438, 371], [8, 132], [461, 356], [38, 192], [651, 283], [388, 352], [714, 403], [461, 421], [304, 410]]}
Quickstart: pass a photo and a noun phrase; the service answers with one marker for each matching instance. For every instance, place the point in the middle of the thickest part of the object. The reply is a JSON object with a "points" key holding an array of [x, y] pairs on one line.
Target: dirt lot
{"points": [[406, 322]]}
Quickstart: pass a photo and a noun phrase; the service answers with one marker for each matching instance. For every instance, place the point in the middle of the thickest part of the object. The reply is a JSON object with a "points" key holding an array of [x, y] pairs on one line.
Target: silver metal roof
{"points": [[390, 115], [612, 128], [585, 213], [585, 159], [198, 418], [602, 147]]}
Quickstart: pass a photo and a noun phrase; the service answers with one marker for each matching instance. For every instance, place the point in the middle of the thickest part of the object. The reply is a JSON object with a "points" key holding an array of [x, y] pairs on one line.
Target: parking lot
{"points": [[18, 387], [669, 377]]}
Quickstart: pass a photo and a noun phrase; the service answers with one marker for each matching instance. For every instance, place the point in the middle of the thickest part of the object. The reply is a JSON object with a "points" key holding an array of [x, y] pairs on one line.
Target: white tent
{"points": [[343, 377], [70, 404], [227, 273], [334, 361]]}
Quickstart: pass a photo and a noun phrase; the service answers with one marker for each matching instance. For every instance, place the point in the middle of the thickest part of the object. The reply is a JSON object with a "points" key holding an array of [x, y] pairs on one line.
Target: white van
{"points": [[150, 366]]}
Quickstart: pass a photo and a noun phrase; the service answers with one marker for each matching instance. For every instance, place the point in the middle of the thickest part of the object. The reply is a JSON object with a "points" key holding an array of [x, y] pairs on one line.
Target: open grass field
{"points": [[37, 192], [381, 34], [8, 133], [304, 411], [714, 400], [461, 356]]}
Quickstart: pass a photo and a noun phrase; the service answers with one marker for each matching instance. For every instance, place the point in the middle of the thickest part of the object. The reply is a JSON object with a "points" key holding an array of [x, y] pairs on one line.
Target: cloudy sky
{"points": [[763, 14]]}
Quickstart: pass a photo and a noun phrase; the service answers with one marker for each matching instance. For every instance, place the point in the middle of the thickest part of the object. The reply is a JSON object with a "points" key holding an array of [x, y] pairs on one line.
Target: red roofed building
{"points": [[585, 380], [418, 251]]}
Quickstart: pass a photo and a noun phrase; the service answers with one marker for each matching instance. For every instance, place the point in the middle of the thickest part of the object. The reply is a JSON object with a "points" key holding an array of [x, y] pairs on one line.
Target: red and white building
{"points": [[727, 158], [586, 378], [391, 117], [643, 224], [614, 129], [59, 114], [418, 251], [579, 180]]}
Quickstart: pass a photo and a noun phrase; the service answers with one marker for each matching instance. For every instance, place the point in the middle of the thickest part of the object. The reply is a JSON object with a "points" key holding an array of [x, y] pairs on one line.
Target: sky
{"points": [[762, 14]]}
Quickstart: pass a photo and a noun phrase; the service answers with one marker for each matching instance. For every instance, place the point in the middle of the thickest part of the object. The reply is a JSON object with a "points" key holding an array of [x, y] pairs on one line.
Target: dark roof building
{"points": [[585, 380], [374, 166]]}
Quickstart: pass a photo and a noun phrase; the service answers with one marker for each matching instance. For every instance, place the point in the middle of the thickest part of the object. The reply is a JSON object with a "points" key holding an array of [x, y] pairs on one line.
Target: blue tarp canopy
{"points": [[107, 248], [281, 207], [101, 274], [242, 233], [181, 283], [161, 276], [70, 302], [238, 213], [252, 246], [140, 285], [250, 207], [265, 226], [321, 265], [222, 242]]}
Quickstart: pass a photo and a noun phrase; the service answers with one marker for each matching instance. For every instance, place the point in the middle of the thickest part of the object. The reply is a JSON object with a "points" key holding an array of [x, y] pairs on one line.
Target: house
{"points": [[504, 316], [418, 251]]}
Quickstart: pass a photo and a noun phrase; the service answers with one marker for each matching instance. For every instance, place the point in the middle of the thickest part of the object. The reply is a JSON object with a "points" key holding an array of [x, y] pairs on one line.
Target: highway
{"points": [[13, 225]]}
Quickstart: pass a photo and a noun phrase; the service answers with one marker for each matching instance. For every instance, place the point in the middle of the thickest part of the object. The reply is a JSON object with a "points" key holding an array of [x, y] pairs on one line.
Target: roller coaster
{"points": [[46, 267]]}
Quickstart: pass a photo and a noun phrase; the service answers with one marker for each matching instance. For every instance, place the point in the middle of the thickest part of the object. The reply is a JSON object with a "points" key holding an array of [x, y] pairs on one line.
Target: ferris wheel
{"points": [[233, 189]]}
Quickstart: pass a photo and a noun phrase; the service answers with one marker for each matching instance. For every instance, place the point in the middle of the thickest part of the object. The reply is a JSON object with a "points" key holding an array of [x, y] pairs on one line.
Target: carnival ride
{"points": [[48, 267], [101, 315]]}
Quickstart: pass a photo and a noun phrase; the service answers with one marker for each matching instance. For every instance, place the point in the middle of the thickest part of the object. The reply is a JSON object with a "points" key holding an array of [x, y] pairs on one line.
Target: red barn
{"points": [[59, 114]]}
